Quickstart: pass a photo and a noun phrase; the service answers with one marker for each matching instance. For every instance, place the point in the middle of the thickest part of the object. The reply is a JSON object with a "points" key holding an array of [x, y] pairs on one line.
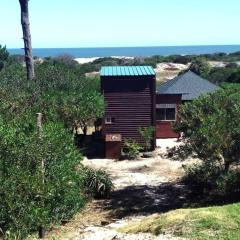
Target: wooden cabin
{"points": [[171, 94], [132, 101], [129, 94]]}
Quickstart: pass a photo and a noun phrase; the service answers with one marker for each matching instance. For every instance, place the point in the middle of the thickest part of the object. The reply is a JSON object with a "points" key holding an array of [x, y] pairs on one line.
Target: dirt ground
{"points": [[142, 187]]}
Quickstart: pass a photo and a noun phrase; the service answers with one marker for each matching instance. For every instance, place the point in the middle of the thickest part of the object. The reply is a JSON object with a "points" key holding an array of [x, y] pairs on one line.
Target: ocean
{"points": [[129, 51]]}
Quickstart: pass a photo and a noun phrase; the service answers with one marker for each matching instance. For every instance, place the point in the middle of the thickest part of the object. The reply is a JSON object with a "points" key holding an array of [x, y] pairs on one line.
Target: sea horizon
{"points": [[145, 51]]}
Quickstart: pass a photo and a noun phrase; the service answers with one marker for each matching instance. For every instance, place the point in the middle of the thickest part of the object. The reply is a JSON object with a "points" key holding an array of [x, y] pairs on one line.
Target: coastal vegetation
{"points": [[42, 179], [131, 149], [147, 134], [69, 101], [198, 64], [3, 56], [211, 130]]}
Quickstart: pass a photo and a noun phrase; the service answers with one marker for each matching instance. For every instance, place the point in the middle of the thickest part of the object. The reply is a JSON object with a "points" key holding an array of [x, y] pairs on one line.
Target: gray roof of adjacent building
{"points": [[189, 84]]}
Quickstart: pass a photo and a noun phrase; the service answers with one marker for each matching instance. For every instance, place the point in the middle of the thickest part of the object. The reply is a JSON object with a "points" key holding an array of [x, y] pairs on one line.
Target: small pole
{"points": [[40, 133], [39, 124], [41, 231]]}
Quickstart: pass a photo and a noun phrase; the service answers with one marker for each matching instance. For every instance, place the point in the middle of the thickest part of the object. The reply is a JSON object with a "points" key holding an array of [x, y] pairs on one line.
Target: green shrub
{"points": [[29, 198], [147, 135], [210, 179], [131, 149], [211, 131], [203, 176], [96, 183]]}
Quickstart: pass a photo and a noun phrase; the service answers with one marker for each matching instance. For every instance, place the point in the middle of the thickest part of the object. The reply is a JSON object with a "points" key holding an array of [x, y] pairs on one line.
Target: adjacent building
{"points": [[132, 101], [171, 94]]}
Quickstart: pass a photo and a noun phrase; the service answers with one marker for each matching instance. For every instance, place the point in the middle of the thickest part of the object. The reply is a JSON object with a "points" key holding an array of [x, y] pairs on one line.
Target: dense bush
{"points": [[208, 178], [230, 73], [211, 129], [33, 196], [131, 149], [97, 183], [3, 56], [200, 67]]}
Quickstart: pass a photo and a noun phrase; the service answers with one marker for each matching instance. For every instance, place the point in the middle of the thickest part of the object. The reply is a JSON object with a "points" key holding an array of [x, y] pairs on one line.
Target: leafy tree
{"points": [[182, 59], [82, 109], [211, 127], [68, 59], [26, 201], [211, 130], [235, 76], [230, 74], [200, 67], [22, 151], [3, 56]]}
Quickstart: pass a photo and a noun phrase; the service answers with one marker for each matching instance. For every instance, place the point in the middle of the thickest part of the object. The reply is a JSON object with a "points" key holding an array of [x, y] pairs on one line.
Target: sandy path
{"points": [[142, 187]]}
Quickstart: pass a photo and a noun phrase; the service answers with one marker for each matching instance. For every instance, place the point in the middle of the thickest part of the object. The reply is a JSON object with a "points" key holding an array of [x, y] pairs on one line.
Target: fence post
{"points": [[41, 232]]}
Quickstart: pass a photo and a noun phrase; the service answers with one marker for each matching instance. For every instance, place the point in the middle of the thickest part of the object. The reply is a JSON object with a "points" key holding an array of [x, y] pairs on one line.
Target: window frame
{"points": [[109, 120], [166, 106]]}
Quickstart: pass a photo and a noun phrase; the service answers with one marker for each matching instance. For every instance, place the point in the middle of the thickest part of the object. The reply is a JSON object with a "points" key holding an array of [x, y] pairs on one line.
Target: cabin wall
{"points": [[164, 128], [131, 102]]}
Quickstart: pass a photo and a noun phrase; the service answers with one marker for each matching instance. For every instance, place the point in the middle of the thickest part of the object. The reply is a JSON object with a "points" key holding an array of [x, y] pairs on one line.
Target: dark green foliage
{"points": [[200, 67], [82, 108], [182, 59], [66, 58], [131, 149], [211, 128], [16, 59], [27, 202], [1, 65], [235, 76], [232, 65], [3, 56], [218, 75], [208, 178], [97, 183], [230, 73], [59, 92], [147, 134]]}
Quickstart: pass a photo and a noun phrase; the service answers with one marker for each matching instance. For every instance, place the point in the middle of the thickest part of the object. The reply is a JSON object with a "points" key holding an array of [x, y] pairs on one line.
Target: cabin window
{"points": [[166, 112], [109, 120]]}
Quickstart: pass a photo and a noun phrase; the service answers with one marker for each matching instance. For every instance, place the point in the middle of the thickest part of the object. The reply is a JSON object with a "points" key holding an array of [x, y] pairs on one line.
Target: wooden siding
{"points": [[131, 102], [113, 150], [164, 128]]}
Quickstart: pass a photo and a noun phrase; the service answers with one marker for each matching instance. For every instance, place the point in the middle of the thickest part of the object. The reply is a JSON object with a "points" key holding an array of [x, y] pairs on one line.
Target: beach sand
{"points": [[92, 59]]}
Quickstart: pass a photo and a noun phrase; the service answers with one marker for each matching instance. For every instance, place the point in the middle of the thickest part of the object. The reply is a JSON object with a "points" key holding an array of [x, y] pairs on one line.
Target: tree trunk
{"points": [[85, 131], [27, 39]]}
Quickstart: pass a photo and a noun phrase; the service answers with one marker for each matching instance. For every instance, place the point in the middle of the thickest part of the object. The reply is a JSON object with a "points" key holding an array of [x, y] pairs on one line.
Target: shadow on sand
{"points": [[145, 200]]}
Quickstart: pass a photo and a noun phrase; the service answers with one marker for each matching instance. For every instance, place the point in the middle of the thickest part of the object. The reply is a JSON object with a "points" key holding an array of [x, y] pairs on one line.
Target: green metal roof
{"points": [[127, 71]]}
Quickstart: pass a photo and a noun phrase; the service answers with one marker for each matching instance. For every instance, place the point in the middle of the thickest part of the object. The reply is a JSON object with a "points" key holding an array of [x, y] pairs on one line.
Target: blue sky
{"points": [[110, 23]]}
